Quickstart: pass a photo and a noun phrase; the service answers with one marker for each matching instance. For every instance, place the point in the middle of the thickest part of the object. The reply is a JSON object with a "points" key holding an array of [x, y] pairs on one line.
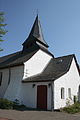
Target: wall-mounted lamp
{"points": [[33, 85], [49, 84]]}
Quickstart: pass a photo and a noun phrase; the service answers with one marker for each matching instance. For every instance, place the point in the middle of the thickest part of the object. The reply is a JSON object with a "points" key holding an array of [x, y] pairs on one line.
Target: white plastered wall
{"points": [[4, 83], [24, 92], [28, 95], [70, 80], [36, 64], [13, 88]]}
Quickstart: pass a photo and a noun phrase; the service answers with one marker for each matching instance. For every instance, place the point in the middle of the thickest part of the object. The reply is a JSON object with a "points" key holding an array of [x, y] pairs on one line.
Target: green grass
{"points": [[75, 108]]}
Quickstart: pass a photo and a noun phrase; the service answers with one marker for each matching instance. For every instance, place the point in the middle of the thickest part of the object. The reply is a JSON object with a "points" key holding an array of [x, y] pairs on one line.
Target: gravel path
{"points": [[37, 115]]}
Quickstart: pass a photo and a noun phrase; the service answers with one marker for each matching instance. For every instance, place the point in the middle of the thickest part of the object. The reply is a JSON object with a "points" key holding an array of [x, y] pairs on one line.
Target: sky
{"points": [[60, 21]]}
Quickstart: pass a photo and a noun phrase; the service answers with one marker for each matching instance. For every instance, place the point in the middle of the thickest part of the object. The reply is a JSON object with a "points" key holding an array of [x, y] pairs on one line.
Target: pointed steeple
{"points": [[37, 31], [36, 34]]}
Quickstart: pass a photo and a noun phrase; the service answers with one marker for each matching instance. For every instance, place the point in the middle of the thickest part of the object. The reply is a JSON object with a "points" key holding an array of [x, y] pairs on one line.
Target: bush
{"points": [[72, 108], [6, 104], [19, 107]]}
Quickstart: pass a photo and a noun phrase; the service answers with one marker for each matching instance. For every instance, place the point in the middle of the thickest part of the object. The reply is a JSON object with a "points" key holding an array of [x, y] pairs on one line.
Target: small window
{"points": [[60, 60], [69, 92], [0, 78], [62, 93]]}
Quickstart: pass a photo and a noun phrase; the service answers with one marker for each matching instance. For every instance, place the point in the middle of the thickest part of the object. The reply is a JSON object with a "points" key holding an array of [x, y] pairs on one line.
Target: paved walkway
{"points": [[4, 119], [37, 115]]}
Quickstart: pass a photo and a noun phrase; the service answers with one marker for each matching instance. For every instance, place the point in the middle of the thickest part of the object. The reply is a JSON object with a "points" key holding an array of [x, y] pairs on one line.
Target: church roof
{"points": [[15, 59], [55, 69], [36, 32], [19, 58]]}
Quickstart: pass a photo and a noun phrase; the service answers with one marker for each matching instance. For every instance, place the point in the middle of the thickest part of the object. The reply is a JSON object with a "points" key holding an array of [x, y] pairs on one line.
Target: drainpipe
{"points": [[9, 76], [52, 95]]}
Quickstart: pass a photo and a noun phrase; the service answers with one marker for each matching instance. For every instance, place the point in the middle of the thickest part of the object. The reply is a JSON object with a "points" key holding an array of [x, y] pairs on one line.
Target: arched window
{"points": [[69, 93], [62, 93]]}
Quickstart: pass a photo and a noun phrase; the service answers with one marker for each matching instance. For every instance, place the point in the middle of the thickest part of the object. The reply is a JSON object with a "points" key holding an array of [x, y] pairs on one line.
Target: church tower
{"points": [[35, 39]]}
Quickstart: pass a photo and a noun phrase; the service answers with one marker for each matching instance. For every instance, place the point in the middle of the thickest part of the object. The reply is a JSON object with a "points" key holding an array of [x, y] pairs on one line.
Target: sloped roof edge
{"points": [[55, 74]]}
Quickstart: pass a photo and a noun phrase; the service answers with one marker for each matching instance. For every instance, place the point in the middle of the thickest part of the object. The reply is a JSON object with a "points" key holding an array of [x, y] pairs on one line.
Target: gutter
{"points": [[14, 65]]}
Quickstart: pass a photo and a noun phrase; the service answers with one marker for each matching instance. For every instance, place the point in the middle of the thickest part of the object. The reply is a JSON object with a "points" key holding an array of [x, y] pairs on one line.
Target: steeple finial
{"points": [[37, 11]]}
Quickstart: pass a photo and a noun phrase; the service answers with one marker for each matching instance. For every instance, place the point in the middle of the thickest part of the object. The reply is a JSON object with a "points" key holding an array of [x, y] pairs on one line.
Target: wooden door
{"points": [[42, 97]]}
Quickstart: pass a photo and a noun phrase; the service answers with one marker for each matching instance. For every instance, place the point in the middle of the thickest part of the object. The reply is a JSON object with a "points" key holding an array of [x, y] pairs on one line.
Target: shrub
{"points": [[6, 104], [19, 107], [72, 108], [67, 102]]}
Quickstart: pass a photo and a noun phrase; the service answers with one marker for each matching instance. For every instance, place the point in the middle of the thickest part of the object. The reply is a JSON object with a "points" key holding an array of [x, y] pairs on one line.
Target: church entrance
{"points": [[42, 97]]}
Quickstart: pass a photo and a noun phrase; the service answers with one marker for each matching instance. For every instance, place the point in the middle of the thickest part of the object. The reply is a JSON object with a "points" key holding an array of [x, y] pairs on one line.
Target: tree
{"points": [[2, 29]]}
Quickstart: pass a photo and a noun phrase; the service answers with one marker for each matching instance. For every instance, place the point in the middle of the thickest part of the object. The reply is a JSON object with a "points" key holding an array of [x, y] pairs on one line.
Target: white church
{"points": [[37, 79]]}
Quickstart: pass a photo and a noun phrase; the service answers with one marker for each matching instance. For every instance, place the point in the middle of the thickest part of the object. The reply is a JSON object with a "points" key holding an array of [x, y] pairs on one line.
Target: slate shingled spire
{"points": [[37, 31], [36, 35]]}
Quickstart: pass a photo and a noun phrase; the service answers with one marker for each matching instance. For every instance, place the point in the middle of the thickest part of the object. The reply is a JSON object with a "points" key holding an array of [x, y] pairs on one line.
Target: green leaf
{"points": [[2, 32], [1, 13], [2, 25], [1, 40]]}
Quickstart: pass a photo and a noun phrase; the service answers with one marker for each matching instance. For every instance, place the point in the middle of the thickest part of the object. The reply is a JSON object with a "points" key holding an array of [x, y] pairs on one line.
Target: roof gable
{"points": [[55, 69]]}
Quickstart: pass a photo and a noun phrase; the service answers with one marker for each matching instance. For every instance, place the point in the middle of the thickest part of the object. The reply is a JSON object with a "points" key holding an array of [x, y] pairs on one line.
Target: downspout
{"points": [[52, 95], [9, 75]]}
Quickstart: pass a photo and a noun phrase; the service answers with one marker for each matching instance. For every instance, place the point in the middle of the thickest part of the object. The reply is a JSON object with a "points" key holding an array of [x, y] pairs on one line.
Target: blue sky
{"points": [[60, 20]]}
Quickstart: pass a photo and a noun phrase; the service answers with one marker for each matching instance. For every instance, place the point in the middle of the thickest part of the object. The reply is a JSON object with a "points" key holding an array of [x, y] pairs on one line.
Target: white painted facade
{"points": [[4, 84], [69, 80], [36, 64], [24, 92], [15, 81], [27, 94]]}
